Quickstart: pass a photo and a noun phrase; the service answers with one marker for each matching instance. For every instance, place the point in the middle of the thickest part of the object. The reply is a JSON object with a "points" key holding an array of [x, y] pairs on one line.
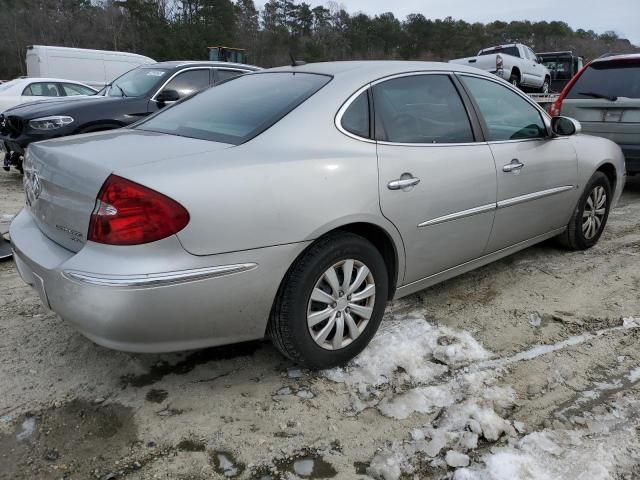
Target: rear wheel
{"points": [[514, 80], [590, 216], [331, 302], [545, 86]]}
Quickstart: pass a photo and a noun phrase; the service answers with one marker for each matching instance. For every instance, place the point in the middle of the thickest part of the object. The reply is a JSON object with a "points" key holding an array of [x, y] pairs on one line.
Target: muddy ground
{"points": [[71, 409]]}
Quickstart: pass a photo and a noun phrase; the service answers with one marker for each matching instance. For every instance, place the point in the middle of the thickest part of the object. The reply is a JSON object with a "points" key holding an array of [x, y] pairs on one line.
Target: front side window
{"points": [[189, 82], [608, 80], [356, 118], [507, 115], [41, 90], [420, 109], [237, 111]]}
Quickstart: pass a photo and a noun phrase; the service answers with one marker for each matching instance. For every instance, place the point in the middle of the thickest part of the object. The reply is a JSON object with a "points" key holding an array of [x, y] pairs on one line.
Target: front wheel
{"points": [[545, 87], [590, 216], [331, 302]]}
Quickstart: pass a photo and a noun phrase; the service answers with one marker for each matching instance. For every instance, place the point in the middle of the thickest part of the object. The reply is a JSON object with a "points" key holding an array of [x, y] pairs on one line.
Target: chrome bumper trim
{"points": [[157, 279]]}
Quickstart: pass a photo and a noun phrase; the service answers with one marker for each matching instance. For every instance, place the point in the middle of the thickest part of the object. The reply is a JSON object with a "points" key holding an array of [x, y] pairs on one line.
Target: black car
{"points": [[134, 95]]}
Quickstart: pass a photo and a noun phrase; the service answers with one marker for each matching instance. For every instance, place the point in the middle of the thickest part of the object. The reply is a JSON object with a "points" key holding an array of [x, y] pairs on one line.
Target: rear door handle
{"points": [[514, 166], [405, 182]]}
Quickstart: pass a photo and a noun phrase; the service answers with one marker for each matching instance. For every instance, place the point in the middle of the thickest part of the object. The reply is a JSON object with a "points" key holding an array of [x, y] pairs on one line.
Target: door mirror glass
{"points": [[565, 126], [168, 95]]}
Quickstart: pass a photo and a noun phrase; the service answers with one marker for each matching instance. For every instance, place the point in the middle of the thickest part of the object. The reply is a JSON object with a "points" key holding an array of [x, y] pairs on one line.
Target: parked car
{"points": [[605, 97], [562, 67], [513, 62], [23, 90], [274, 203], [132, 96], [93, 67]]}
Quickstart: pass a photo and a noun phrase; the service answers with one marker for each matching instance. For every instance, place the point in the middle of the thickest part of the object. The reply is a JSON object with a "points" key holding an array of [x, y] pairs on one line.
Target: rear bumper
{"points": [[156, 297]]}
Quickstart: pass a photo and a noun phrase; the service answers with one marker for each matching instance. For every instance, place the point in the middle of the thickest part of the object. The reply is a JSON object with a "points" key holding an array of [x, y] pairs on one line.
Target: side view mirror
{"points": [[565, 126], [539, 59], [167, 96]]}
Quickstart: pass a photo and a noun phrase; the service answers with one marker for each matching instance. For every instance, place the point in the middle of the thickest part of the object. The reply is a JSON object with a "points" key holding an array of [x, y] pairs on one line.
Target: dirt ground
{"points": [[551, 322]]}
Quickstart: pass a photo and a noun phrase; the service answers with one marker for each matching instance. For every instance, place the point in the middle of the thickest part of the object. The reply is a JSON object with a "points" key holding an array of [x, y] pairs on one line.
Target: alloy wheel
{"points": [[594, 211], [341, 304]]}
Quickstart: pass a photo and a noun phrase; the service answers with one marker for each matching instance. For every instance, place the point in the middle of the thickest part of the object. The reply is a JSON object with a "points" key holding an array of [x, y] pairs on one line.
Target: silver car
{"points": [[296, 202], [605, 98]]}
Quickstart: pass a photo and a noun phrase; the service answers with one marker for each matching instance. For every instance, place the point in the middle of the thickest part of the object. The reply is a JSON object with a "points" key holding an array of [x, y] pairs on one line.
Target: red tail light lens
{"points": [[555, 109], [128, 213]]}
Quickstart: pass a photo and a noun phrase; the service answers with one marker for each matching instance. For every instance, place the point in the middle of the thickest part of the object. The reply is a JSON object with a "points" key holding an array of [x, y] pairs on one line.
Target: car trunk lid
{"points": [[63, 177]]}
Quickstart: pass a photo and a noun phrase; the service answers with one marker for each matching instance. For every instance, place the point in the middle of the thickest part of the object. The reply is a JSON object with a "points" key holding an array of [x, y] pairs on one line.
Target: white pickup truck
{"points": [[514, 62]]}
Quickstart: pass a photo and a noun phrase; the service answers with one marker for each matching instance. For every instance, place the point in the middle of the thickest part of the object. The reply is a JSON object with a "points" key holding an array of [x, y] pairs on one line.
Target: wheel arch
{"points": [[516, 71], [610, 171]]}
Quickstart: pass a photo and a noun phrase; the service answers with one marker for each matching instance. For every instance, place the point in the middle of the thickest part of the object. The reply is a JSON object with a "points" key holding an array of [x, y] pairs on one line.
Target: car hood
{"points": [[61, 106]]}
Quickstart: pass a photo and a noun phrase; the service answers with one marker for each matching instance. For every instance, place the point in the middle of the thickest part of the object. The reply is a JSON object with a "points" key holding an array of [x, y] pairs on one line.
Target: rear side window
{"points": [[513, 51], [356, 118], [71, 90], [507, 115], [235, 112], [41, 90], [222, 75], [420, 109], [608, 79]]}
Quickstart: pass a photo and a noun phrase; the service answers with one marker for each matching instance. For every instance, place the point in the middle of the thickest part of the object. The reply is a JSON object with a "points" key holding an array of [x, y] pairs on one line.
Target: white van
{"points": [[93, 67]]}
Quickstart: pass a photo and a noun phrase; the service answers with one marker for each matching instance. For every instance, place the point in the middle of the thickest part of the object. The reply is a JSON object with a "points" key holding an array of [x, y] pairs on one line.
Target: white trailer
{"points": [[93, 67]]}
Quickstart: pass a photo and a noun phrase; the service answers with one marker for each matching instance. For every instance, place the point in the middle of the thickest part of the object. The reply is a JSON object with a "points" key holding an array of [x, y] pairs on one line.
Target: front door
{"points": [[537, 175], [437, 184]]}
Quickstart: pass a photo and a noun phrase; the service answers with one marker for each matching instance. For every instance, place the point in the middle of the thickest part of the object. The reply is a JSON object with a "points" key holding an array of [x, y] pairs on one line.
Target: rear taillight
{"points": [[128, 213], [499, 62], [555, 109]]}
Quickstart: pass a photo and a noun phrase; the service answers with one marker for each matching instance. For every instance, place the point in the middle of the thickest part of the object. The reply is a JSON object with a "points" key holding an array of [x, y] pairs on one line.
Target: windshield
{"points": [[513, 51], [609, 79], [237, 110], [136, 83]]}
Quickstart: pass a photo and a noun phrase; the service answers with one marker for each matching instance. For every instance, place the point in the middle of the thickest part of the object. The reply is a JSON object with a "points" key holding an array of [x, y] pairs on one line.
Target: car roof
{"points": [[369, 70], [197, 63], [49, 79], [628, 56]]}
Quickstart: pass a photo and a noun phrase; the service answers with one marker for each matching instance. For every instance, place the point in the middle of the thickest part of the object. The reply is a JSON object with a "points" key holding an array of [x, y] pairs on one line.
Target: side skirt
{"points": [[426, 282]]}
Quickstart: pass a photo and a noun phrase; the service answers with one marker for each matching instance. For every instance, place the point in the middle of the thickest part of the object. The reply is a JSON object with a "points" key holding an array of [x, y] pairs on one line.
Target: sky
{"points": [[621, 16]]}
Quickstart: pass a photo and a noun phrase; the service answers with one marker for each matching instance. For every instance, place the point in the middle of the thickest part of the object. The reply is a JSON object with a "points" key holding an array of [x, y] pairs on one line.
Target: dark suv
{"points": [[605, 97], [134, 95]]}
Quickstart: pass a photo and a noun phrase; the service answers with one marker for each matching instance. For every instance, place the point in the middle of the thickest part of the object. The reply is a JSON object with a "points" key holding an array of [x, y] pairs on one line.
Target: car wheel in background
{"points": [[331, 302], [590, 216], [545, 86], [514, 80]]}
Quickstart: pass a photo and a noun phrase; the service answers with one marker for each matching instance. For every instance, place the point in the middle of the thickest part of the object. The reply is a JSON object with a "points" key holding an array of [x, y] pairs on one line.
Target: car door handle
{"points": [[404, 182], [514, 166]]}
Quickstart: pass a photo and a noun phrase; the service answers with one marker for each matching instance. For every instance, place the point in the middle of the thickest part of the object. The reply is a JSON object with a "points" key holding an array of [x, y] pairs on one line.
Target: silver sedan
{"points": [[296, 202]]}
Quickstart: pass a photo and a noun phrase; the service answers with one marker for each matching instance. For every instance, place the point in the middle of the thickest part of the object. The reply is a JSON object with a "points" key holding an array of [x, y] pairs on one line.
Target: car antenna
{"points": [[294, 62]]}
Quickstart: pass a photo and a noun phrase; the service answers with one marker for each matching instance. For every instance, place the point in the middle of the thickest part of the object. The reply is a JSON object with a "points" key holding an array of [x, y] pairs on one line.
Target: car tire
{"points": [[545, 88], [514, 80], [590, 215], [292, 326]]}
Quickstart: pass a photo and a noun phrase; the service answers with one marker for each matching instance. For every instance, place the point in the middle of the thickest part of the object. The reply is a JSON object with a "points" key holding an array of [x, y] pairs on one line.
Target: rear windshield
{"points": [[513, 51], [239, 109], [610, 79]]}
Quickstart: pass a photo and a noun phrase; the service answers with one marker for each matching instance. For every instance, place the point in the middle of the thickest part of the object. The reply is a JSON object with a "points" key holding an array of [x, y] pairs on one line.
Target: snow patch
{"points": [[634, 375], [403, 352]]}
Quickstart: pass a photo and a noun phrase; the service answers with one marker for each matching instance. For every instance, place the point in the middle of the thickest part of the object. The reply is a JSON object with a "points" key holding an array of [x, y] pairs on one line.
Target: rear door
{"points": [[606, 101], [537, 174], [437, 183]]}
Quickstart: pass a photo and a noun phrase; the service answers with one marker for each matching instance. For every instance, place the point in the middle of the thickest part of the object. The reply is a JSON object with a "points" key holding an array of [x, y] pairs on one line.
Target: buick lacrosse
{"points": [[296, 202]]}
